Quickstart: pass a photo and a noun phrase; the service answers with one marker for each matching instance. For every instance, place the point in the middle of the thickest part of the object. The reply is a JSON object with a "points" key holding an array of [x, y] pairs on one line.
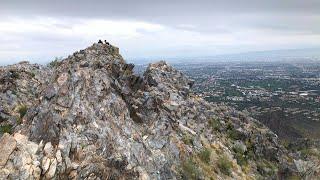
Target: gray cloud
{"points": [[187, 27], [169, 12], [138, 8]]}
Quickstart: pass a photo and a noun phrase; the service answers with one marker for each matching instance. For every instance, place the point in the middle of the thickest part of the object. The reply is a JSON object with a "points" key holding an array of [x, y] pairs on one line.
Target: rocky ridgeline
{"points": [[90, 117]]}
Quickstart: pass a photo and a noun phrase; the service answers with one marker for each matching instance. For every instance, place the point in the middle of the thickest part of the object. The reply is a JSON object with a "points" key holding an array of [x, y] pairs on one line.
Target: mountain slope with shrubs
{"points": [[90, 117]]}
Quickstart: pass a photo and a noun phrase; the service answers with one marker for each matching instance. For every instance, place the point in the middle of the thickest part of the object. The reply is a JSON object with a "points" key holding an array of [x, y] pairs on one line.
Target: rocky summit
{"points": [[90, 116]]}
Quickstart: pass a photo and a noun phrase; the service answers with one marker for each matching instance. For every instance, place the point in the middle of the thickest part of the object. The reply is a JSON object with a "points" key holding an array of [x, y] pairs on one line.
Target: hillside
{"points": [[90, 117]]}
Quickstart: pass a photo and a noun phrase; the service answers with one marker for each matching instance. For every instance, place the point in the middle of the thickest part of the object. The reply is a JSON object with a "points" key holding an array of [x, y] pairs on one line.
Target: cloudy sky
{"points": [[40, 30]]}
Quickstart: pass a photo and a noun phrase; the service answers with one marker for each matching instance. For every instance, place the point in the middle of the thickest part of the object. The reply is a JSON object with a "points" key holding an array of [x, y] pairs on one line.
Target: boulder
{"points": [[8, 144]]}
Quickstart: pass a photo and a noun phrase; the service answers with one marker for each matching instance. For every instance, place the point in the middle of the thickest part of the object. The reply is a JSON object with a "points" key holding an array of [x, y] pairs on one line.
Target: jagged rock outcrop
{"points": [[90, 117], [20, 87]]}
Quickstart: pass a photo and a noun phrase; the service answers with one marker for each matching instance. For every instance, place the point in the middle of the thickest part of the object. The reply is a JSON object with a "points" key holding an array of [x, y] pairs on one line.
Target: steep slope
{"points": [[90, 117], [20, 86]]}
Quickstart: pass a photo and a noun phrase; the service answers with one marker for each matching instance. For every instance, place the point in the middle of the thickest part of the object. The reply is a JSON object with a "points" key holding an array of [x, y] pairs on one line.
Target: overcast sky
{"points": [[40, 30]]}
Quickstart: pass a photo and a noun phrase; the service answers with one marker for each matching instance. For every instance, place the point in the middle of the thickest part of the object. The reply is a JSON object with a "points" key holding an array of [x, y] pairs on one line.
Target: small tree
{"points": [[55, 62]]}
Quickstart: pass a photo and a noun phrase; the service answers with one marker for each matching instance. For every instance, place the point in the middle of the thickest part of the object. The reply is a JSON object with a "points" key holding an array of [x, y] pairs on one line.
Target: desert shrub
{"points": [[266, 168], [33, 74], [250, 149], [204, 155], [242, 160], [215, 124], [234, 134], [237, 149], [55, 62], [14, 74], [97, 65], [189, 170], [5, 129], [187, 139], [229, 126], [224, 165], [22, 110], [239, 154], [307, 152], [14, 92], [294, 177]]}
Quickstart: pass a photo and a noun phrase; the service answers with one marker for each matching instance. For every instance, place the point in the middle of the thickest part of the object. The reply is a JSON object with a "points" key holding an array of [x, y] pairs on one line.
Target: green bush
{"points": [[14, 74], [22, 110], [189, 170], [240, 155], [5, 129], [55, 62], [266, 168], [215, 124], [224, 165], [241, 159], [204, 155], [307, 152], [234, 134], [237, 149], [33, 74], [187, 139], [229, 126]]}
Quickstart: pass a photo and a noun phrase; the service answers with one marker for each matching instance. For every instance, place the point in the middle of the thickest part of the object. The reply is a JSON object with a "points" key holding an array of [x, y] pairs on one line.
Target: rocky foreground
{"points": [[90, 117]]}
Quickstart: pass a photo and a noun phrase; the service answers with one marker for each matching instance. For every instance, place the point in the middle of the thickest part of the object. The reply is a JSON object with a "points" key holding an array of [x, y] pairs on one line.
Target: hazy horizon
{"points": [[284, 55], [38, 31]]}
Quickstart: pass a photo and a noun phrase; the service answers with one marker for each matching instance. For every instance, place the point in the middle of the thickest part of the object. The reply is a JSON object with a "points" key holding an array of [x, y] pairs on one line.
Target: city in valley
{"points": [[285, 96]]}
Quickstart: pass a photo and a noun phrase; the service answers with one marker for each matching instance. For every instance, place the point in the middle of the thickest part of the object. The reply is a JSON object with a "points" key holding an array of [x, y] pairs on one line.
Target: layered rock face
{"points": [[90, 117], [20, 86]]}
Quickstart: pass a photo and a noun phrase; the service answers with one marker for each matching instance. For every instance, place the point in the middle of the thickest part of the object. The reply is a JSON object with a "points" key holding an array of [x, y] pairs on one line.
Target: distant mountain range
{"points": [[310, 54], [271, 55]]}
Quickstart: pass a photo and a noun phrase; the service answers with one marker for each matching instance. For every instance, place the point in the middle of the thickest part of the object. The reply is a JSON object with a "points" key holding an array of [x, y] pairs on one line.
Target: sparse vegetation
{"points": [[55, 62], [250, 149], [197, 141], [187, 139], [33, 74], [22, 110], [242, 159], [83, 145], [14, 92], [224, 165], [199, 165], [229, 126], [97, 65], [204, 155], [234, 134], [237, 149], [215, 124], [5, 129], [189, 170], [266, 168], [307, 152], [14, 74]]}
